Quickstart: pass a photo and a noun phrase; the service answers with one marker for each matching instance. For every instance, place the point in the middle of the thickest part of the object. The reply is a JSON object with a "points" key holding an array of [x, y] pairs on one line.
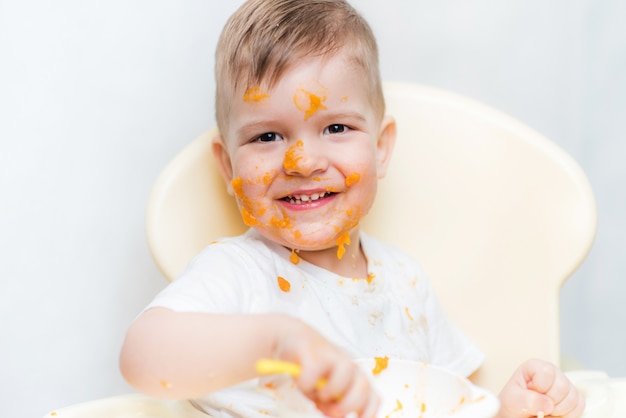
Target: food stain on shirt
{"points": [[374, 317], [309, 98], [398, 406], [381, 364], [369, 279], [283, 284], [343, 240], [293, 156], [406, 309], [254, 95]]}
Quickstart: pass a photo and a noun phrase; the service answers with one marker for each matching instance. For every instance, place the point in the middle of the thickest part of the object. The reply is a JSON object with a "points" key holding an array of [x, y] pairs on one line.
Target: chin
{"points": [[318, 238]]}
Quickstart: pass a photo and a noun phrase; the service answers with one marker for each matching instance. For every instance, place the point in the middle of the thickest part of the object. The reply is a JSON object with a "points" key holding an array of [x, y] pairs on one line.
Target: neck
{"points": [[352, 264]]}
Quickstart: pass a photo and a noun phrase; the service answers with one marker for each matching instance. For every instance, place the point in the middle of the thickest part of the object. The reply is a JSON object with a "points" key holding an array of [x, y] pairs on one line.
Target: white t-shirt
{"points": [[395, 313]]}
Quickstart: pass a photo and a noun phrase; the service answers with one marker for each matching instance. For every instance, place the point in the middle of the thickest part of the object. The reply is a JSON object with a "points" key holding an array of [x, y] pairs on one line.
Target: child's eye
{"points": [[268, 137], [336, 129]]}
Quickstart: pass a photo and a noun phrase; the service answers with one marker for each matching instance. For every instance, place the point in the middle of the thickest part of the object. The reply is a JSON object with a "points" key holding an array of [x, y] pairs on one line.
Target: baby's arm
{"points": [[186, 355], [539, 386]]}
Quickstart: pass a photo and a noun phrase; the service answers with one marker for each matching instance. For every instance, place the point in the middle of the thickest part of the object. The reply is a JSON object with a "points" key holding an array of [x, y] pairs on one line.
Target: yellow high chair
{"points": [[498, 216]]}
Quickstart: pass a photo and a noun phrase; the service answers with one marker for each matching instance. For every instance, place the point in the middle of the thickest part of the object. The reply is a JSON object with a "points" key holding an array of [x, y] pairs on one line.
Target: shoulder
{"points": [[238, 252], [231, 274]]}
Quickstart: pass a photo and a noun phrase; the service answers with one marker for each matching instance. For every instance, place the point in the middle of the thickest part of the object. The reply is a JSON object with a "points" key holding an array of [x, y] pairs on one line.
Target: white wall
{"points": [[95, 98]]}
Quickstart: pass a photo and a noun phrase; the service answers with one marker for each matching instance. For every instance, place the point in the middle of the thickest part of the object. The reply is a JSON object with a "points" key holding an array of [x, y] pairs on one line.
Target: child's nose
{"points": [[304, 159]]}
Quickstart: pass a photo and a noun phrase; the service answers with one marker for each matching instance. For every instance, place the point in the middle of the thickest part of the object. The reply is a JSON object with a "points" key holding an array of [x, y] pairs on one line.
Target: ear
{"points": [[220, 153], [384, 145]]}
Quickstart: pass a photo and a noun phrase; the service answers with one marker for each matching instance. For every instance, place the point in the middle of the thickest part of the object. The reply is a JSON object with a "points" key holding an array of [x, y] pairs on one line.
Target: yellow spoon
{"points": [[271, 366]]}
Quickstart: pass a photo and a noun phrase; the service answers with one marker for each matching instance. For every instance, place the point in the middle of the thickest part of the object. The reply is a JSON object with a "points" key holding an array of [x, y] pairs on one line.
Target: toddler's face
{"points": [[303, 158]]}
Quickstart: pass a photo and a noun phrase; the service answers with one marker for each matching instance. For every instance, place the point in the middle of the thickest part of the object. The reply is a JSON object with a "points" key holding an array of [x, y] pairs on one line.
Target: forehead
{"points": [[313, 84]]}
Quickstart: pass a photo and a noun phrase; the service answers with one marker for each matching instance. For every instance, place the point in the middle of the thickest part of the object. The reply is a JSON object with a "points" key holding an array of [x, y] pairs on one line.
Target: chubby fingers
{"points": [[346, 390], [547, 379], [356, 392]]}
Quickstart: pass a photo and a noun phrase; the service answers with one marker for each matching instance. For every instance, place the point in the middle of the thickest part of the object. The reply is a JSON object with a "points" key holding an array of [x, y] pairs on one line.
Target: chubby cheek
{"points": [[305, 230], [249, 191]]}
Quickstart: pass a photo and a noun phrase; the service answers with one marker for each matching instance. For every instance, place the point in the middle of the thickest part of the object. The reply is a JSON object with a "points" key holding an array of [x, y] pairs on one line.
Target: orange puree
{"points": [[294, 257], [309, 102], [370, 278], [341, 241], [280, 223], [283, 284], [291, 156], [254, 94], [398, 405], [248, 218], [246, 214], [237, 184], [352, 179], [381, 364]]}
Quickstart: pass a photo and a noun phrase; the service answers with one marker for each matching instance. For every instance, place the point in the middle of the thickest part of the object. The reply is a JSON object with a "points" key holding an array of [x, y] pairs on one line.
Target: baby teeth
{"points": [[297, 199]]}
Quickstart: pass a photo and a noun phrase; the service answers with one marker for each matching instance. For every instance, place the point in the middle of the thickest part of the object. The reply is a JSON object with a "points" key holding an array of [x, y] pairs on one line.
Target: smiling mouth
{"points": [[300, 199]]}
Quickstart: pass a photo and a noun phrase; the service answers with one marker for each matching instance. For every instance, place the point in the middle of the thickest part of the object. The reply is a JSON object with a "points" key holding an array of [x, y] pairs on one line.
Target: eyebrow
{"points": [[262, 125], [345, 115], [254, 126]]}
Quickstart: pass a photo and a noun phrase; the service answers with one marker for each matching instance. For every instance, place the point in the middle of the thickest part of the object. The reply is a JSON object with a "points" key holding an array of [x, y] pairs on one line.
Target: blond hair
{"points": [[263, 38]]}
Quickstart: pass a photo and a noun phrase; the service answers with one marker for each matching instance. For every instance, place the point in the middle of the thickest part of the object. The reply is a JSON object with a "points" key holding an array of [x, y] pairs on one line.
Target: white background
{"points": [[96, 97]]}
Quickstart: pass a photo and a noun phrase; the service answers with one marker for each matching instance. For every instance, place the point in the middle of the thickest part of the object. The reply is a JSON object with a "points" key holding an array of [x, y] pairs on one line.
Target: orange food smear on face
{"points": [[308, 102], [237, 184], [352, 179], [291, 156], [381, 364], [165, 384], [283, 284], [294, 257], [248, 218], [280, 223], [344, 239], [254, 94], [267, 179]]}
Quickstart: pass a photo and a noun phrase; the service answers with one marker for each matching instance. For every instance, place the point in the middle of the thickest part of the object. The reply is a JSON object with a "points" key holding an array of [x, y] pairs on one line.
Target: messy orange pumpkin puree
{"points": [[381, 364]]}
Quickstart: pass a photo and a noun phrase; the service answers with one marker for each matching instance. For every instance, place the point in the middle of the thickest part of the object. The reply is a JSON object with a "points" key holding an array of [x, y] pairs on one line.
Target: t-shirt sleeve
{"points": [[218, 280]]}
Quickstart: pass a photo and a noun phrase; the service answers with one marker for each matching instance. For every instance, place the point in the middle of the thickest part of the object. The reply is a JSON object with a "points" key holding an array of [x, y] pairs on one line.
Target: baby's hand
{"points": [[346, 387], [538, 386]]}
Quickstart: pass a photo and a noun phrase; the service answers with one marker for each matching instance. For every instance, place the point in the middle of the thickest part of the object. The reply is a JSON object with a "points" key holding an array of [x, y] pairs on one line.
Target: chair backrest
{"points": [[498, 216]]}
